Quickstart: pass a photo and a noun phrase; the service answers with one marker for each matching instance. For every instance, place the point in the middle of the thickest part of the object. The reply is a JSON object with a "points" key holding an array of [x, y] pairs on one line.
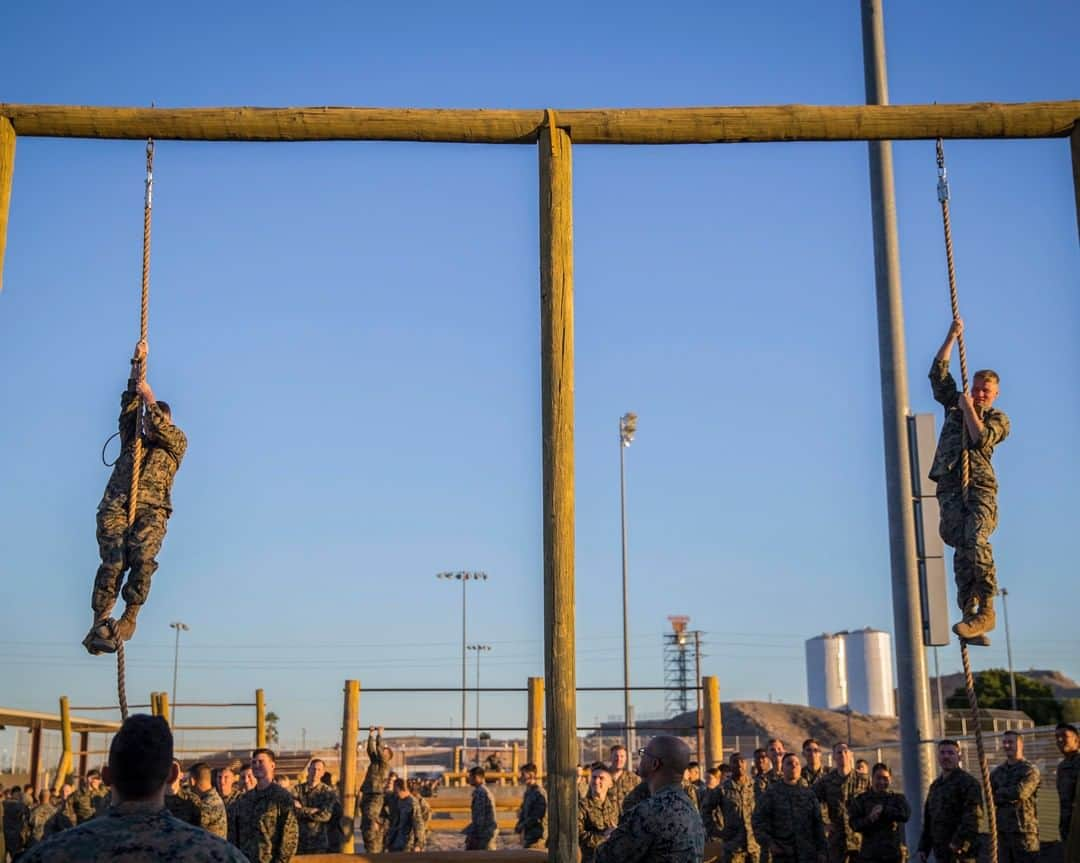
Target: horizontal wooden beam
{"points": [[607, 126]]}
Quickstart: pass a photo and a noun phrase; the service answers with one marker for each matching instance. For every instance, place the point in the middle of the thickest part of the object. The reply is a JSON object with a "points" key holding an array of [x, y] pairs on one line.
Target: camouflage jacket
{"points": [[88, 803], [882, 837], [532, 816], [692, 792], [1068, 780], [665, 828], [164, 446], [835, 791], [946, 467], [378, 769], [482, 830], [16, 826], [595, 817], [712, 812], [761, 782], [952, 813], [738, 801], [39, 817], [142, 832], [314, 814], [621, 787], [789, 817], [263, 822], [640, 793], [809, 776], [211, 807], [183, 805], [63, 818], [1015, 787], [408, 829]]}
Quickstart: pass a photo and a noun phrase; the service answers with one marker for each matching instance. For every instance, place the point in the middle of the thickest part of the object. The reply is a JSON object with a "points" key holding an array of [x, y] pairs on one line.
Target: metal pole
{"points": [[940, 697], [478, 652], [464, 730], [178, 626], [912, 684], [1008, 645], [697, 680], [627, 731]]}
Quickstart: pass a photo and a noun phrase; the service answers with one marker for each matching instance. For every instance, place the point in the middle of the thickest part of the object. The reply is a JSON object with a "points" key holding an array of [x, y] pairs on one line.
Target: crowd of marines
{"points": [[777, 807]]}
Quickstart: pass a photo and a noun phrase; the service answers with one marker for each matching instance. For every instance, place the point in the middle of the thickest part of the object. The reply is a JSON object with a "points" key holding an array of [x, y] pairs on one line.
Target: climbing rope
{"points": [[137, 450], [965, 477]]}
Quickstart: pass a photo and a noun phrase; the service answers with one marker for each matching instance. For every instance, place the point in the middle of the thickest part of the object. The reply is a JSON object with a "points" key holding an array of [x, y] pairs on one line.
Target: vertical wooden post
{"points": [[260, 719], [64, 767], [163, 706], [35, 756], [84, 752], [557, 397], [1075, 141], [458, 758], [534, 743], [7, 173], [515, 761], [350, 728], [714, 726]]}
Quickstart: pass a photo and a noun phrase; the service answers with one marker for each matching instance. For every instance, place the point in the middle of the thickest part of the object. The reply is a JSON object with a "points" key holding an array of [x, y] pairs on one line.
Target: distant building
{"points": [[851, 670]]}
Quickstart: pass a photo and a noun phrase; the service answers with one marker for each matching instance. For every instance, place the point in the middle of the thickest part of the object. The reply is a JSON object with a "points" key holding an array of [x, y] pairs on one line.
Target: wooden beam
{"points": [[7, 173], [534, 742], [350, 729], [35, 757], [705, 125], [260, 719], [714, 727], [557, 397], [1074, 139]]}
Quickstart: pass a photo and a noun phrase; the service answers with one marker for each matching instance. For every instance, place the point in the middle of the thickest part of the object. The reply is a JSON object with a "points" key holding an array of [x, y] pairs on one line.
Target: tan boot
{"points": [[125, 626], [100, 638], [983, 621]]}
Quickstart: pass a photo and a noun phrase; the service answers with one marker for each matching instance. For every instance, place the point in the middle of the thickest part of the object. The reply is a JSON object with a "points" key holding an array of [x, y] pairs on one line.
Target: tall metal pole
{"points": [[912, 683], [479, 648], [464, 732], [940, 697], [1008, 644], [627, 428], [178, 626], [697, 690]]}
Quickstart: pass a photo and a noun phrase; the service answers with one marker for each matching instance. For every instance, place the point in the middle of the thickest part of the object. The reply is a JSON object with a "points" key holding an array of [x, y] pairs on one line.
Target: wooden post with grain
{"points": [[350, 730], [714, 728]]}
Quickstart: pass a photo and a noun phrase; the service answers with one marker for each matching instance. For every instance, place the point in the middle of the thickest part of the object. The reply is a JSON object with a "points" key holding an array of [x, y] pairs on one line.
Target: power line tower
{"points": [[680, 662]]}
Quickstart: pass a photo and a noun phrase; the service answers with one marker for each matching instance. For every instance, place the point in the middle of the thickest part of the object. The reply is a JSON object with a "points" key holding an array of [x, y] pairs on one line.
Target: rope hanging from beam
{"points": [[965, 477]]}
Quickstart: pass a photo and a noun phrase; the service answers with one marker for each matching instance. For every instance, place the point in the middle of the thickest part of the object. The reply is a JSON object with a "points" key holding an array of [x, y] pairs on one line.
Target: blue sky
{"points": [[349, 335]]}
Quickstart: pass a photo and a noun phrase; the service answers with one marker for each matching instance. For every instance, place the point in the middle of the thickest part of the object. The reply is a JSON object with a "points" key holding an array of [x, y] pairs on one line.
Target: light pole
{"points": [[478, 648], [464, 578], [179, 627], [1008, 644], [627, 428]]}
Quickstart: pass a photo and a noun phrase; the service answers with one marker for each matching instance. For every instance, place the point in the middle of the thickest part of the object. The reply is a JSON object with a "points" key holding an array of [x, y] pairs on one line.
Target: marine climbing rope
{"points": [[965, 474]]}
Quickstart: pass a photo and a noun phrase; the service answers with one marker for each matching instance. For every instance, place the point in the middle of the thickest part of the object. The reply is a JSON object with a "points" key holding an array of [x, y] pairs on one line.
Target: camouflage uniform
{"points": [[230, 806], [1015, 786], [371, 801], [787, 822], [967, 525], [665, 828], [134, 831], [408, 830], [761, 782], [712, 812], [532, 817], [627, 782], [691, 791], [212, 817], [264, 824], [640, 794], [39, 817], [1068, 780], [335, 828], [483, 830], [835, 791], [89, 803], [184, 806], [16, 827], [63, 818], [316, 809], [737, 801], [809, 776], [882, 837], [595, 818], [951, 818], [136, 549]]}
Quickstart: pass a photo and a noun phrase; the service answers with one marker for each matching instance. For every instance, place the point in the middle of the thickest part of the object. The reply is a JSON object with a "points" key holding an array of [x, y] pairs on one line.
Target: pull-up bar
{"points": [[706, 125]]}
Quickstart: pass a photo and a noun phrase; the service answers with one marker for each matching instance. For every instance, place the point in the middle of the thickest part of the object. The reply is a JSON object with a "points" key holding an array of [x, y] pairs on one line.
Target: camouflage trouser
{"points": [[966, 526], [121, 548], [371, 826], [1017, 848], [731, 856]]}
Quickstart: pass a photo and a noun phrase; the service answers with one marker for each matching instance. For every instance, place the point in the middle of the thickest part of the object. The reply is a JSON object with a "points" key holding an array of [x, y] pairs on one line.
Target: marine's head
{"points": [[882, 777], [791, 767], [141, 759], [985, 387], [1067, 737], [948, 755]]}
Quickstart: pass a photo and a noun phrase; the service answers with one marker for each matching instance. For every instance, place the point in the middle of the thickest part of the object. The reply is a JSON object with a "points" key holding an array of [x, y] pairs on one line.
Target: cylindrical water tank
{"points": [[870, 672], [826, 671]]}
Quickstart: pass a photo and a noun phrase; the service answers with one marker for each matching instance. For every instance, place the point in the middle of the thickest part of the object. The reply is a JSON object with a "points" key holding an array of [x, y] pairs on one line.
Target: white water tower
{"points": [[826, 671]]}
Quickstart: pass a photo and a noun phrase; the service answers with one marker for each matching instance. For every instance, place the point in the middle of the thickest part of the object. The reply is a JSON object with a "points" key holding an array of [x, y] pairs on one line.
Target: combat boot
{"points": [[978, 641], [981, 623], [125, 626], [100, 639]]}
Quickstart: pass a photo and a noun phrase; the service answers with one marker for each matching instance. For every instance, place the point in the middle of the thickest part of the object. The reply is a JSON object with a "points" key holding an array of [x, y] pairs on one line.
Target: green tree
{"points": [[1070, 710], [271, 719], [994, 693]]}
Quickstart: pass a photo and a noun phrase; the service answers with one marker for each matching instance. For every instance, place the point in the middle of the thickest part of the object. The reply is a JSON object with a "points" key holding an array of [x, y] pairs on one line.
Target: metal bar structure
{"points": [[426, 689], [912, 682]]}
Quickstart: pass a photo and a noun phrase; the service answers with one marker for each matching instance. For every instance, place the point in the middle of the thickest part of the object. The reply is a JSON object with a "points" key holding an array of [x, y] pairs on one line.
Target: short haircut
{"points": [[811, 741], [947, 741], [327, 778], [165, 409], [692, 764], [529, 768], [713, 771], [792, 756], [199, 771], [94, 774], [317, 761], [759, 752], [141, 756], [1067, 726], [987, 375], [476, 771], [617, 747], [269, 753], [726, 768], [399, 785], [861, 761], [881, 766], [773, 740], [601, 768], [1012, 733]]}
